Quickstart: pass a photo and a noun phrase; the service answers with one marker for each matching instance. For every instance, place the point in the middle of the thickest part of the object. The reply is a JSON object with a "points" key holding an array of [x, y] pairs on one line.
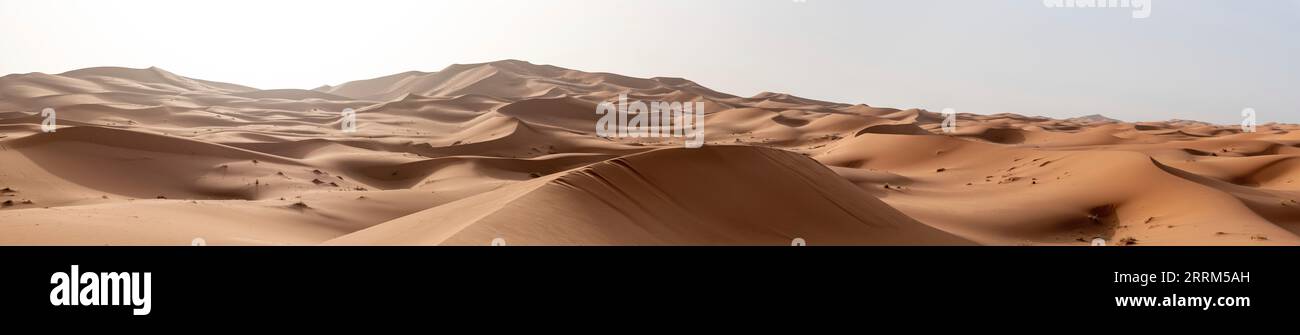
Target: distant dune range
{"points": [[508, 150]]}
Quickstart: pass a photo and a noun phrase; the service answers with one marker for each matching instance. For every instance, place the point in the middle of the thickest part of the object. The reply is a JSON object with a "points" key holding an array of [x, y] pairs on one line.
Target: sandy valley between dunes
{"points": [[508, 150]]}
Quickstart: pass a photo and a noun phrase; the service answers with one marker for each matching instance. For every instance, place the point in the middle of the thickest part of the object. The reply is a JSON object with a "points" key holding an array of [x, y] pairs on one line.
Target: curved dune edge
{"points": [[709, 196], [508, 149]]}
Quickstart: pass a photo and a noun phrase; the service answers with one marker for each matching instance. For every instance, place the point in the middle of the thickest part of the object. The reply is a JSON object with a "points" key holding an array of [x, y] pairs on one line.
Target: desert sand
{"points": [[507, 150]]}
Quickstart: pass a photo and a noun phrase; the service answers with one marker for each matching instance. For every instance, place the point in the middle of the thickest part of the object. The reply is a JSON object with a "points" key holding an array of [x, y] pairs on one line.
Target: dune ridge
{"points": [[508, 150]]}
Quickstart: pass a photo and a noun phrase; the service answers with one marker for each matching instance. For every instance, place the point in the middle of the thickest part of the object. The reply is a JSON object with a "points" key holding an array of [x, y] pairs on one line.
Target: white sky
{"points": [[1192, 59]]}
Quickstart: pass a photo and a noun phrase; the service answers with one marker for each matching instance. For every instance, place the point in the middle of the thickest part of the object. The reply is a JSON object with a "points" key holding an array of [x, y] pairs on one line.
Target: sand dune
{"points": [[509, 150], [717, 195]]}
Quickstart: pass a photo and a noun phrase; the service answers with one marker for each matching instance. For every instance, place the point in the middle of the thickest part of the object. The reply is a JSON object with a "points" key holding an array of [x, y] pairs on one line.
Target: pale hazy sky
{"points": [[1191, 59]]}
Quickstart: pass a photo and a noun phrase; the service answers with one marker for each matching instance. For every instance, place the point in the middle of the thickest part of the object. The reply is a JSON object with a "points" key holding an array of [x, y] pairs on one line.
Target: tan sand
{"points": [[507, 150]]}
